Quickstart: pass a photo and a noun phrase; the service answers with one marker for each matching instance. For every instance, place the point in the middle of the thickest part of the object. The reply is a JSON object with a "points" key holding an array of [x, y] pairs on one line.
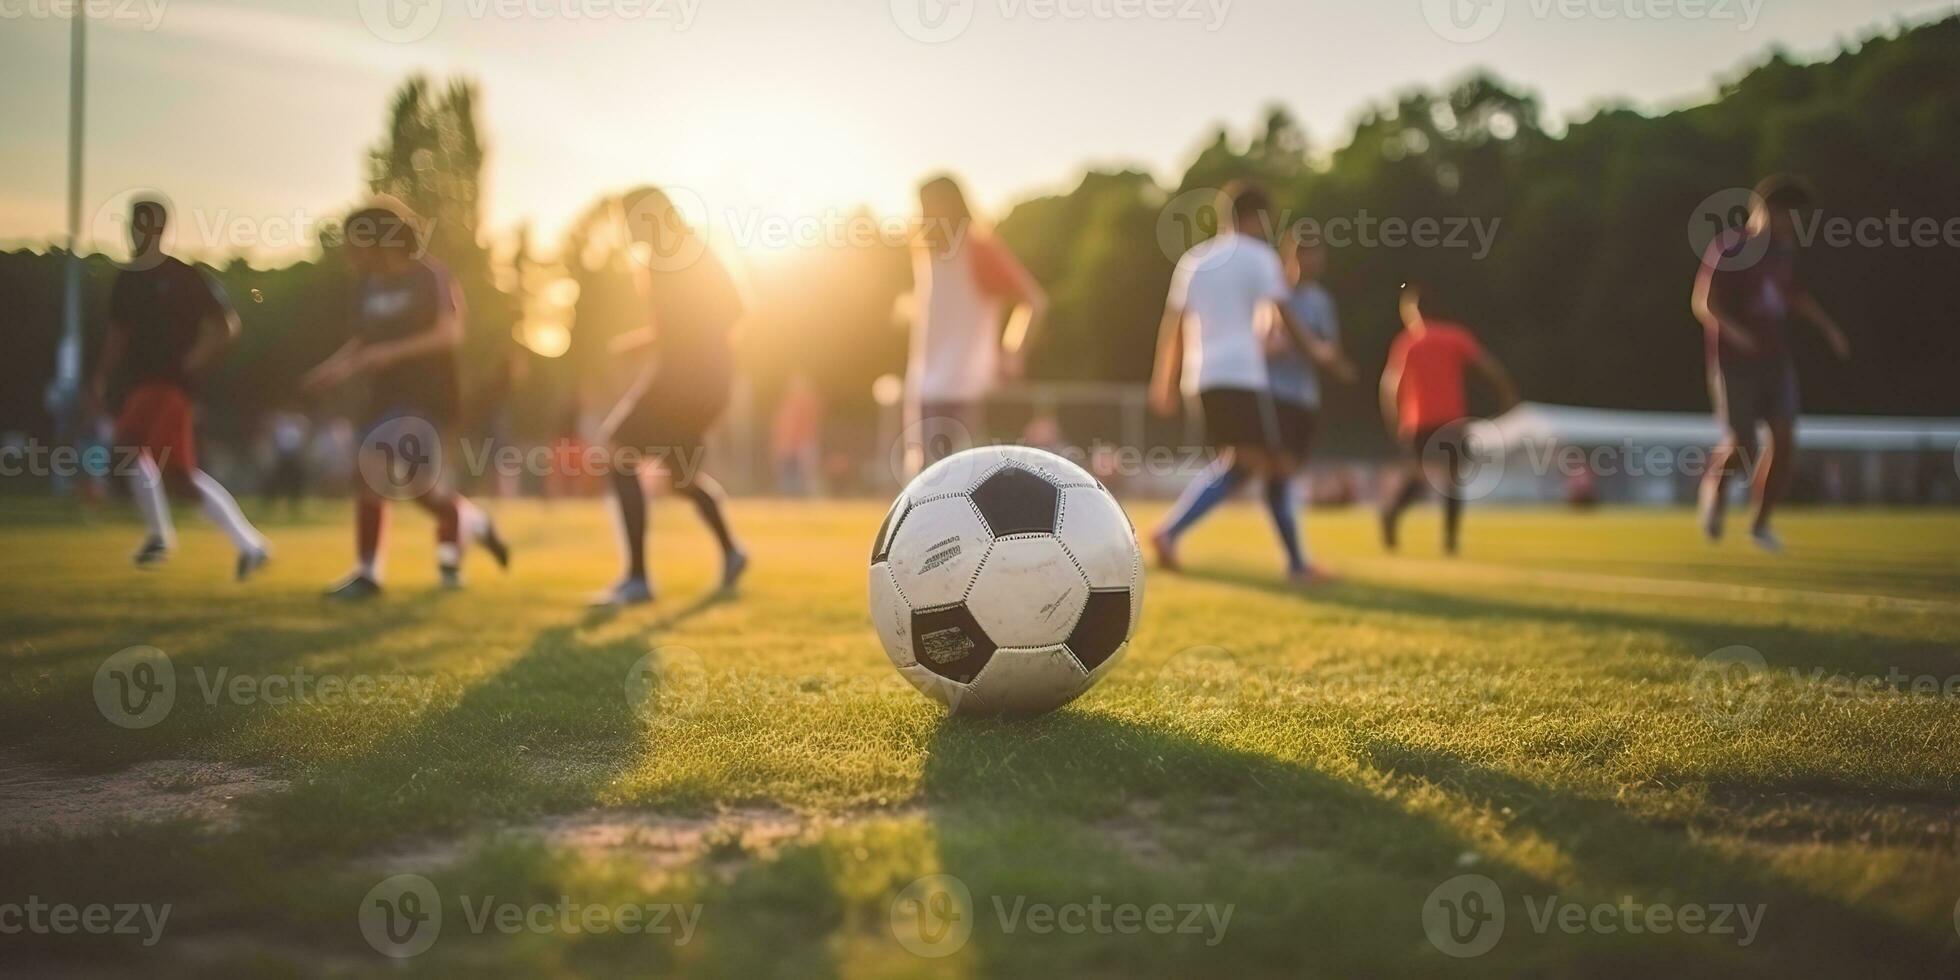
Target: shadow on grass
{"points": [[1617, 854], [1843, 651]]}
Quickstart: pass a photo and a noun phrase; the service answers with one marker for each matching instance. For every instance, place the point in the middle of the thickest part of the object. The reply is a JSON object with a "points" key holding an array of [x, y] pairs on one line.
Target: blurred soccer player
{"points": [[1423, 404], [167, 322], [1209, 343], [407, 324], [1296, 386], [693, 307], [1745, 297], [965, 280]]}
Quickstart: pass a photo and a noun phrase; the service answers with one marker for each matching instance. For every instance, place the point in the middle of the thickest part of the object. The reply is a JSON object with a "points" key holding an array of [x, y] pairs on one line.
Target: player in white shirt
{"points": [[1210, 347], [966, 282]]}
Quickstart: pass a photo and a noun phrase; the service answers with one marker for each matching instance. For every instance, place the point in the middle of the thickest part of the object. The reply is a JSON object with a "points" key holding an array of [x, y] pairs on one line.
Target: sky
{"points": [[776, 117]]}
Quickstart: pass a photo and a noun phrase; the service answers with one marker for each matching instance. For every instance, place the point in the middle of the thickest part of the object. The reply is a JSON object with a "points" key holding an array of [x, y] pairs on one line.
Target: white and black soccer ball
{"points": [[1005, 581]]}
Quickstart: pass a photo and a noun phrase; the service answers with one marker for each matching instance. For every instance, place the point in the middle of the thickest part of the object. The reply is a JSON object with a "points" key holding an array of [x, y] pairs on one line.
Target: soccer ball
{"points": [[1005, 581]]}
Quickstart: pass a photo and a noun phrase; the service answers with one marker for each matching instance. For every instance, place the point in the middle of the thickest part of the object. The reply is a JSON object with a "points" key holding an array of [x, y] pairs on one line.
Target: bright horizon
{"points": [[774, 113]]}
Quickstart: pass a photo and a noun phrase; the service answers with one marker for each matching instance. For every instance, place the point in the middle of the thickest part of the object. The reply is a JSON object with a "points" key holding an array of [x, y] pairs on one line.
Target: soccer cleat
{"points": [[733, 565], [151, 553], [629, 592], [1710, 507], [249, 562], [494, 544], [1767, 540], [451, 577], [1166, 548], [354, 588]]}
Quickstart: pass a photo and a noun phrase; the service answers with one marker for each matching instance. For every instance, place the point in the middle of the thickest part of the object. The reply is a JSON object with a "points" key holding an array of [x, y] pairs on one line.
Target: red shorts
{"points": [[156, 418]]}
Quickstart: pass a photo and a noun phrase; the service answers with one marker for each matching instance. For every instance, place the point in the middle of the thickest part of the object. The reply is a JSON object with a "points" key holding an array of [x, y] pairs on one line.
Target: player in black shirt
{"points": [[664, 420], [407, 323], [167, 323]]}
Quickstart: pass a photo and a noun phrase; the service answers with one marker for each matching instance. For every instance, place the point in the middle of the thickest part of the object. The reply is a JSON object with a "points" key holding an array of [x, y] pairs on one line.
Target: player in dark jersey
{"points": [[664, 420], [1746, 296], [167, 322], [407, 323]]}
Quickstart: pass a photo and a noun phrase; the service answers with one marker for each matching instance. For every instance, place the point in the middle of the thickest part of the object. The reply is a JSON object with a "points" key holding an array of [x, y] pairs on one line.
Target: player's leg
{"points": [[1453, 485], [630, 528], [1731, 394], [1232, 426], [1402, 486], [146, 488], [223, 510], [1778, 469], [370, 527], [710, 502], [136, 430], [1296, 424]]}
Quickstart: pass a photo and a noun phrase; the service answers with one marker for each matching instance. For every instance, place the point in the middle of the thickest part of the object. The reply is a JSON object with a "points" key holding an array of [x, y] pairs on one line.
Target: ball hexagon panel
{"points": [[1029, 594], [1060, 471], [1021, 682], [949, 643], [936, 552], [892, 616], [932, 685], [881, 547], [956, 474], [1097, 532], [1015, 500], [1103, 629]]}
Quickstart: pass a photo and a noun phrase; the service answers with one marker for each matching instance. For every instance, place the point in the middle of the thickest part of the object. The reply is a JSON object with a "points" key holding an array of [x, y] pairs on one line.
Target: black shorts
{"points": [[1238, 417], [669, 411], [1748, 392], [1296, 428]]}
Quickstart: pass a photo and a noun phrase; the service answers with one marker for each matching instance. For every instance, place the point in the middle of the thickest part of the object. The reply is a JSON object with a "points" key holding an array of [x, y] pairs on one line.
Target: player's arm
{"points": [[114, 344], [1170, 361], [1030, 314], [445, 334], [1807, 306], [1327, 355], [1499, 379], [1391, 394], [215, 332], [1711, 310]]}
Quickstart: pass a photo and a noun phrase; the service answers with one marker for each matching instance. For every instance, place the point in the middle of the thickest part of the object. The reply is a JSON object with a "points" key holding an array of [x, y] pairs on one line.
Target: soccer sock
{"points": [[1279, 500], [1452, 517], [370, 518], [1211, 488], [222, 509], [708, 497], [151, 502], [447, 512], [630, 507], [475, 524]]}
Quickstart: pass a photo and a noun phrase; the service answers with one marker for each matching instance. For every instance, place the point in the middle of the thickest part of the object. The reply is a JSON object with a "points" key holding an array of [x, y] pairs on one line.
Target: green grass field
{"points": [[1298, 778]]}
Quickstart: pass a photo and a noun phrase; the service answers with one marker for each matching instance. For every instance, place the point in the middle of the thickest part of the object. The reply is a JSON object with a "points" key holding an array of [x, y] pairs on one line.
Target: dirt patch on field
{"points": [[721, 842], [39, 799], [1151, 835]]}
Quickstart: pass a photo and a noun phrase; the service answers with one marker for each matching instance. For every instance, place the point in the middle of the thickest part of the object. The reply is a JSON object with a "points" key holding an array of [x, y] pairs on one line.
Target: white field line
{"points": [[1475, 572]]}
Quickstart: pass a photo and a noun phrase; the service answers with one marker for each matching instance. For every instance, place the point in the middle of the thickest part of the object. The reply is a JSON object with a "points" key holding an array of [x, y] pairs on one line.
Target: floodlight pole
{"points": [[64, 394]]}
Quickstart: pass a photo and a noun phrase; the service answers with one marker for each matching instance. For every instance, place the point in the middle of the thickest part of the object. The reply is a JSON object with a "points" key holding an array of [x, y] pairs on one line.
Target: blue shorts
{"points": [[1749, 392]]}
